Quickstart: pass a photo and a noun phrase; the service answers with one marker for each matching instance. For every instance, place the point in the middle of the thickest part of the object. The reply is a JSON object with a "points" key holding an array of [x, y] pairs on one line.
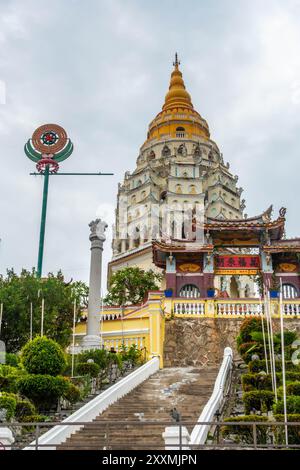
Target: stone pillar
{"points": [[156, 325], [97, 237]]}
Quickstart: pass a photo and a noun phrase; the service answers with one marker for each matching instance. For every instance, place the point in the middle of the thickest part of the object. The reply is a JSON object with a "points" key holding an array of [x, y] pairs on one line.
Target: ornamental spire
{"points": [[177, 96], [177, 62]]}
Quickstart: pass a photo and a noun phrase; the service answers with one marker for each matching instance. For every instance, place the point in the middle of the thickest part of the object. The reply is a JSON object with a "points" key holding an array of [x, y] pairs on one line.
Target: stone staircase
{"points": [[148, 405]]}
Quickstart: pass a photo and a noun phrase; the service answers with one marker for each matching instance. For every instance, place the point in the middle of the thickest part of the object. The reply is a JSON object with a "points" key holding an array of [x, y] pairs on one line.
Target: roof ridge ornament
{"points": [[176, 63]]}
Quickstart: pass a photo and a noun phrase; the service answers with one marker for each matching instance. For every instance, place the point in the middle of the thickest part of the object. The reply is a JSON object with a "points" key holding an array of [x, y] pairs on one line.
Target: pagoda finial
{"points": [[177, 62]]}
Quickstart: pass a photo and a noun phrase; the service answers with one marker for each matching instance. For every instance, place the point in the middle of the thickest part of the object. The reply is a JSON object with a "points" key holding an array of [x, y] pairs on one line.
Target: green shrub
{"points": [[43, 390], [88, 368], [12, 359], [292, 405], [259, 365], [256, 382], [24, 408], [35, 418], [99, 356], [292, 376], [43, 356], [293, 431], [244, 433], [259, 400], [72, 394], [292, 388], [247, 327], [8, 401], [133, 355], [8, 378], [289, 337]]}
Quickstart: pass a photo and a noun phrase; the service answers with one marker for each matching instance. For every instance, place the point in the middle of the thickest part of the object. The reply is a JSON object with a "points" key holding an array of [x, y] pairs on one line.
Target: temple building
{"points": [[180, 175], [180, 212]]}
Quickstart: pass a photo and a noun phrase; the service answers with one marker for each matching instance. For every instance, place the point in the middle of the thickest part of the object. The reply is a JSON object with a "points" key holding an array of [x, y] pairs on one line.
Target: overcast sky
{"points": [[101, 70]]}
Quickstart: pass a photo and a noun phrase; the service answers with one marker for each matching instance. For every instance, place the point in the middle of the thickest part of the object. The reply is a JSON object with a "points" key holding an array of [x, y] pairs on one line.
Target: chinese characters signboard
{"points": [[237, 264]]}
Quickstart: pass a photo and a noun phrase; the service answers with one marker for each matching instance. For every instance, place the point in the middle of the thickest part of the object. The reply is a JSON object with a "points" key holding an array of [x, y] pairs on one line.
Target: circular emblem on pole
{"points": [[48, 147], [49, 138]]}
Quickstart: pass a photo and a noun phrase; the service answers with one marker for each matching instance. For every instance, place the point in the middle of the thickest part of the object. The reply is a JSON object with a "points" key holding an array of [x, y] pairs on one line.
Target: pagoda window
{"points": [[178, 189], [192, 189], [143, 194], [180, 132], [166, 152], [289, 291], [133, 199], [151, 155], [189, 291]]}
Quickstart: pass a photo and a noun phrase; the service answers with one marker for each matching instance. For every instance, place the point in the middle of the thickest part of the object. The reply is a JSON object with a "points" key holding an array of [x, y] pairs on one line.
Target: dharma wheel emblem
{"points": [[48, 147]]}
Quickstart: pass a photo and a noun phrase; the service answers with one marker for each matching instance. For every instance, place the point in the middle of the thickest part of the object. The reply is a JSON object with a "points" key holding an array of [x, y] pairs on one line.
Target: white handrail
{"points": [[199, 433], [87, 413]]}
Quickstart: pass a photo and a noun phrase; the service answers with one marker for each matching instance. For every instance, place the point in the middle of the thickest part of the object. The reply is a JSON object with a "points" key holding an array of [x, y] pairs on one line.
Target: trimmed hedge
{"points": [[260, 365], [292, 388], [72, 394], [259, 400], [43, 356], [88, 368], [292, 405], [24, 408], [43, 390], [12, 359], [293, 431], [8, 401], [244, 433], [264, 381]]}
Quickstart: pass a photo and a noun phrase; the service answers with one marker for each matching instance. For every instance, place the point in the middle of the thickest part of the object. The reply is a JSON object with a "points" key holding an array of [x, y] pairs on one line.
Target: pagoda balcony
{"points": [[183, 307]]}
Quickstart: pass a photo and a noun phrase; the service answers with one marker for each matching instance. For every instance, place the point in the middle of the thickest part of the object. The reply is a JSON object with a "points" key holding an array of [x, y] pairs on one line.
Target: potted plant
{"points": [[274, 287], [210, 291], [168, 292]]}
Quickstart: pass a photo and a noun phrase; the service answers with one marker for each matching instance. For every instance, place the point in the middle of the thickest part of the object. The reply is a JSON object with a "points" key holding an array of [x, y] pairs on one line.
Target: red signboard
{"points": [[238, 262]]}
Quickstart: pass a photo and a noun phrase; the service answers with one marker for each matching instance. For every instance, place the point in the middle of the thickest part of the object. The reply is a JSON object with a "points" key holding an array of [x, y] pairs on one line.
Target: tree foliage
{"points": [[43, 356], [17, 292], [129, 286]]}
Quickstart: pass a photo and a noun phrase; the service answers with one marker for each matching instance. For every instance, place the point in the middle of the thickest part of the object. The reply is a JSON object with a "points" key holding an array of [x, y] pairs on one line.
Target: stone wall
{"points": [[201, 341]]}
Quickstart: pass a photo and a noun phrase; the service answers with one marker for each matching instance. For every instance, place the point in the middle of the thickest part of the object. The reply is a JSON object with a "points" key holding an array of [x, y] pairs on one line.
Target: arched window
{"points": [[192, 189], [166, 152], [289, 291], [180, 132], [189, 291], [151, 155], [178, 189]]}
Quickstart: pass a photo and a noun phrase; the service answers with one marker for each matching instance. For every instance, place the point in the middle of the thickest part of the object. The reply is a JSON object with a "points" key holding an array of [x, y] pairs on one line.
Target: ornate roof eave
{"points": [[178, 246], [283, 245]]}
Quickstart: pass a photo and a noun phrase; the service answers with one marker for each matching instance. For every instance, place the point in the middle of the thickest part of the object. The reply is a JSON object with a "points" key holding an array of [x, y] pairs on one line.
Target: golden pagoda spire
{"points": [[177, 95]]}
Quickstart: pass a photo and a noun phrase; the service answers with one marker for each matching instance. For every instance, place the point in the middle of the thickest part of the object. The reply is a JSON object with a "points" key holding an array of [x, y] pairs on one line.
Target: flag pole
{"points": [[283, 365], [269, 336], [1, 315], [73, 343], [264, 336], [272, 344]]}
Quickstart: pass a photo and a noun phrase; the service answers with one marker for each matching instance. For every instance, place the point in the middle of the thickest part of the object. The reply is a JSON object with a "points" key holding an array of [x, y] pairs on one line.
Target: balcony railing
{"points": [[232, 307]]}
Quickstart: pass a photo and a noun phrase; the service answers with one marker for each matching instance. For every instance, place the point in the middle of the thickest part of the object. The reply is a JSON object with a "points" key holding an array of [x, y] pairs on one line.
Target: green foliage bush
{"points": [[88, 368], [8, 378], [248, 326], [99, 356], [292, 405], [24, 408], [43, 390], [12, 359], [133, 355], [8, 401], [260, 365], [256, 382], [289, 337], [244, 433], [259, 400], [293, 431], [72, 394], [43, 356], [292, 388]]}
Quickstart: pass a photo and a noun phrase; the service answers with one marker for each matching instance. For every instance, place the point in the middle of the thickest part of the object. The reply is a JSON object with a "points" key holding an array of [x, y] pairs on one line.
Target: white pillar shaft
{"points": [[95, 287]]}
